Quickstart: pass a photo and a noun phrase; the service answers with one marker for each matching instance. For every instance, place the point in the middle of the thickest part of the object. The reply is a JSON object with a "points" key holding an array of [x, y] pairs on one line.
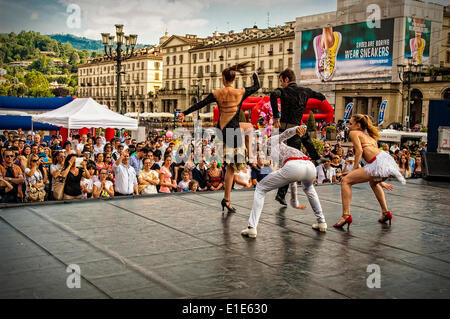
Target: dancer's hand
{"points": [[301, 207], [387, 186], [301, 131]]}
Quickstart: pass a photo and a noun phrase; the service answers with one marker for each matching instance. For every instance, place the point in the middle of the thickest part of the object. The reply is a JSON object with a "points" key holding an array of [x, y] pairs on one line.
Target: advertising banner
{"points": [[417, 40], [348, 109], [347, 52], [382, 111]]}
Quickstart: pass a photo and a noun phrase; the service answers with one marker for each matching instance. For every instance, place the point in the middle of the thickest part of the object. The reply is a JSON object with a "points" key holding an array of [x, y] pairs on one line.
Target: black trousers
{"points": [[296, 142]]}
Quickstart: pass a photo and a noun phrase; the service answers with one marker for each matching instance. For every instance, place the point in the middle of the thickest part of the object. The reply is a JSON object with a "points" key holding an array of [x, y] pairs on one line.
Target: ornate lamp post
{"points": [[119, 55], [408, 74], [197, 86]]}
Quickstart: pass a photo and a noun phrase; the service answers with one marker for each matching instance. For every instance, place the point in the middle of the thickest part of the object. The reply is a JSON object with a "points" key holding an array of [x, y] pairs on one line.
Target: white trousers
{"points": [[291, 172]]}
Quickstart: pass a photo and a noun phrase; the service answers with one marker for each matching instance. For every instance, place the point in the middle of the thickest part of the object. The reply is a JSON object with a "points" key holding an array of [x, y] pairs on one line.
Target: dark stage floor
{"points": [[181, 246]]}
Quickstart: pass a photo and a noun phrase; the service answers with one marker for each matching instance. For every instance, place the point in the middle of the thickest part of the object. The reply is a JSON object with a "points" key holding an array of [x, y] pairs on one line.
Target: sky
{"points": [[149, 19]]}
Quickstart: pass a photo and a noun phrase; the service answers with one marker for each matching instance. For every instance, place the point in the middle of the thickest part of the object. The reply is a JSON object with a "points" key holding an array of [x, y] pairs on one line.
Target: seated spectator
{"points": [[87, 184], [13, 175], [5, 187], [24, 157], [125, 176], [154, 165], [148, 178], [199, 173], [214, 177], [34, 180], [348, 167], [103, 188], [168, 184], [325, 173], [336, 164], [259, 170], [326, 150], [193, 186], [67, 148], [403, 164], [107, 149], [56, 169], [98, 147], [242, 179], [418, 170], [183, 185], [100, 161], [73, 175], [136, 160]]}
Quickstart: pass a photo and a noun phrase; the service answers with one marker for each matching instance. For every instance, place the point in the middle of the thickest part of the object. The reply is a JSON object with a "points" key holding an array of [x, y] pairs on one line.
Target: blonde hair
{"points": [[366, 124], [30, 157]]}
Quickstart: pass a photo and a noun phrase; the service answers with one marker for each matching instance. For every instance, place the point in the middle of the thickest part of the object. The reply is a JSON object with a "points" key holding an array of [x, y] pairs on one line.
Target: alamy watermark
{"points": [[374, 279], [74, 279]]}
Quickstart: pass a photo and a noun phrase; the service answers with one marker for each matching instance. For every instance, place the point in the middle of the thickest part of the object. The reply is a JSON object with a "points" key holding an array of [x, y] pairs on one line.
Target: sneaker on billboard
{"points": [[329, 57], [318, 50]]}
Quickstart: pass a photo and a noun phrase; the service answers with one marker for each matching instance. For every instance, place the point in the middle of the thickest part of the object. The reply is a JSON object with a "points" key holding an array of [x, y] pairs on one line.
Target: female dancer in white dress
{"points": [[379, 166], [295, 167]]}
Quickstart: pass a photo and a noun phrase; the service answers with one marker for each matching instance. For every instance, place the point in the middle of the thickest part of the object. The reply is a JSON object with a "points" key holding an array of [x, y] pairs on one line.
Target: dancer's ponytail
{"points": [[366, 124], [230, 72]]}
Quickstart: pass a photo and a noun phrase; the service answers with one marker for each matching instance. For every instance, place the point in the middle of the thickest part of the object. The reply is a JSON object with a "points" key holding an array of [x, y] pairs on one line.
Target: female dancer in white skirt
{"points": [[295, 167], [379, 166]]}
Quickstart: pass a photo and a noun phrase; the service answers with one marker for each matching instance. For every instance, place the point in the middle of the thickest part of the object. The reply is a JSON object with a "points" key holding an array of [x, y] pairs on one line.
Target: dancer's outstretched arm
{"points": [[294, 199]]}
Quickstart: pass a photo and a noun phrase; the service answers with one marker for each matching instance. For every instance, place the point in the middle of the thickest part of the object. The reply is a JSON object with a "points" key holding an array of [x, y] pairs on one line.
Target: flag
{"points": [[348, 109], [381, 113]]}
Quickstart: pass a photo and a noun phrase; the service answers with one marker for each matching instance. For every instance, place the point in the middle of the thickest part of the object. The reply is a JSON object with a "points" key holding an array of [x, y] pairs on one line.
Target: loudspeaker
{"points": [[437, 166]]}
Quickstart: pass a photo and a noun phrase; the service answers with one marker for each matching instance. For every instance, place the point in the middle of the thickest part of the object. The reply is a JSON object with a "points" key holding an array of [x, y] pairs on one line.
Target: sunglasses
{"points": [[35, 161], [9, 156]]}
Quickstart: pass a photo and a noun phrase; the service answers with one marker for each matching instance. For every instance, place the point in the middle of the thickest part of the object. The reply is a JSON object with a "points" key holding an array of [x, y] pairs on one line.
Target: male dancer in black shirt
{"points": [[293, 103]]}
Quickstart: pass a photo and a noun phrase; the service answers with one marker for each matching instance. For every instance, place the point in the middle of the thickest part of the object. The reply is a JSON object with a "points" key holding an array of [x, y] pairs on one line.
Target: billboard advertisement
{"points": [[347, 52], [417, 40]]}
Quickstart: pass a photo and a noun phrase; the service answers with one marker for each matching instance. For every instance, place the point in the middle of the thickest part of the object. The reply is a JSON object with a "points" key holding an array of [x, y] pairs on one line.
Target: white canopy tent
{"points": [[85, 112]]}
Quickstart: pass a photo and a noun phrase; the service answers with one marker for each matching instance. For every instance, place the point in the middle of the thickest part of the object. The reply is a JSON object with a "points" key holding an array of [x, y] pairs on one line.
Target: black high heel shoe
{"points": [[230, 209]]}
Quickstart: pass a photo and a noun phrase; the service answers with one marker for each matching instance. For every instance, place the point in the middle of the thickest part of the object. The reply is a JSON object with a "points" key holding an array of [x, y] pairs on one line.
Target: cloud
{"points": [[34, 16]]}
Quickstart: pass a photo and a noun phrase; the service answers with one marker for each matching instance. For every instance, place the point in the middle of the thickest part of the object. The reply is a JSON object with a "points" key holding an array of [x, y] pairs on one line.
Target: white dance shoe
{"points": [[249, 232], [320, 226]]}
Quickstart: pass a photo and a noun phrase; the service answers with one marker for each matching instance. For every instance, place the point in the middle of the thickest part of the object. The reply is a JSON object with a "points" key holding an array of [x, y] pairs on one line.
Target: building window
{"points": [[448, 56], [261, 64], [180, 84], [262, 49], [207, 69], [194, 57], [215, 54], [174, 59], [270, 64], [181, 72], [229, 53], [270, 82], [173, 85], [168, 60], [200, 70], [157, 65], [214, 68], [142, 65], [280, 64], [195, 69], [200, 56], [181, 59], [245, 51], [290, 45], [174, 73], [290, 63], [207, 56], [156, 75], [281, 47], [167, 85]]}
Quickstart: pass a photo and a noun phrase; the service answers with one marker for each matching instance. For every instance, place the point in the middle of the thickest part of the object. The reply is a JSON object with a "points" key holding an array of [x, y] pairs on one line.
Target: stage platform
{"points": [[182, 246]]}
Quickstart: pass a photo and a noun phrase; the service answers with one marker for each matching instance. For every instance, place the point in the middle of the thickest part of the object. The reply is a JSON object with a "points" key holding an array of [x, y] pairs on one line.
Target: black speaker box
{"points": [[437, 166]]}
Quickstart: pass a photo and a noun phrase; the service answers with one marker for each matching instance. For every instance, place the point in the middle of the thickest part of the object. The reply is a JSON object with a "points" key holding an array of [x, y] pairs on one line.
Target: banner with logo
{"points": [[358, 51], [417, 40], [348, 109], [381, 113]]}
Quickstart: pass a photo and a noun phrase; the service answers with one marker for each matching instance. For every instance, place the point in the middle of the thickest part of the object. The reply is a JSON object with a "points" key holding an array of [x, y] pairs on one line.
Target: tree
{"points": [[61, 92], [3, 89], [74, 59], [35, 79], [311, 126]]}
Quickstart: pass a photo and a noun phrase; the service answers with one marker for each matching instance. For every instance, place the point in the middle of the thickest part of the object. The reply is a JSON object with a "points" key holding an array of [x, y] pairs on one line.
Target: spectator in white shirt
{"points": [[80, 146], [348, 167], [125, 176], [102, 137], [98, 147], [325, 173]]}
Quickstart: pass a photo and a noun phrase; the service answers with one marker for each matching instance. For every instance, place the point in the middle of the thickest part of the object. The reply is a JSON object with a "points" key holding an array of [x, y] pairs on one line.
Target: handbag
{"points": [[58, 188], [35, 194]]}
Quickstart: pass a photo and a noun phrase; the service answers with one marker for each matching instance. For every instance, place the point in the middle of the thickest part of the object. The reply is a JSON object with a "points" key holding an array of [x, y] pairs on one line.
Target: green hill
{"points": [[82, 43]]}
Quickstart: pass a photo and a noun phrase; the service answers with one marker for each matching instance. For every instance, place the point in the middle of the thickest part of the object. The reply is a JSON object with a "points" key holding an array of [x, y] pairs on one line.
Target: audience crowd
{"points": [[32, 169]]}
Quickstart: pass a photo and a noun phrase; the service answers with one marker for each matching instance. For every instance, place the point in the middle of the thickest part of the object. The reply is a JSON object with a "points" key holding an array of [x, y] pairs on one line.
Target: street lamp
{"points": [[119, 56], [198, 93], [409, 73]]}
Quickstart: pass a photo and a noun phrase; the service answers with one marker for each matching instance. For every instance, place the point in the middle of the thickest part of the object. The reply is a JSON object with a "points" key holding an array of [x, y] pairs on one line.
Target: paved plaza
{"points": [[182, 246]]}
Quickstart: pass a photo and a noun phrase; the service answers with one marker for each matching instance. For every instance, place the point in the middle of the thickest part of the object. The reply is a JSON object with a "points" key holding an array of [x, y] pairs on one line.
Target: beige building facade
{"points": [[97, 78], [368, 92], [193, 66]]}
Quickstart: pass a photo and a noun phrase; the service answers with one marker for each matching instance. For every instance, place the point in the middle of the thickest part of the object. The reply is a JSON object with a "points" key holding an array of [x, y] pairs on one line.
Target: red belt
{"points": [[372, 160], [296, 158]]}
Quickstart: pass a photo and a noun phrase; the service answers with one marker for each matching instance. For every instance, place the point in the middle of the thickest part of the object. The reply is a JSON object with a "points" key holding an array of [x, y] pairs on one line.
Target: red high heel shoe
{"points": [[347, 221], [386, 217]]}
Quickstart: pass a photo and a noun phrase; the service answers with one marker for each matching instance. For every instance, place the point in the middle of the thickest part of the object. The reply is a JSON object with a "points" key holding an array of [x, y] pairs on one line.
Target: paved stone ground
{"points": [[182, 246]]}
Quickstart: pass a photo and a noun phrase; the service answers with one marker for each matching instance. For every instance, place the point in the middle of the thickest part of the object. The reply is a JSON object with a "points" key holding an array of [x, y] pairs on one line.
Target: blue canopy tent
{"points": [[42, 104]]}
